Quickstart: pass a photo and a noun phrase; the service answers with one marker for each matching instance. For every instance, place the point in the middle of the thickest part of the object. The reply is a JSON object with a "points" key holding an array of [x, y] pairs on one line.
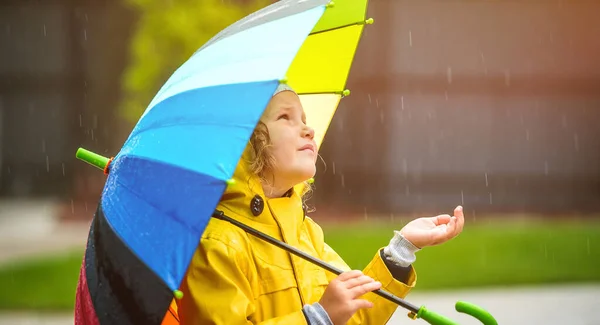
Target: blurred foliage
{"points": [[167, 34]]}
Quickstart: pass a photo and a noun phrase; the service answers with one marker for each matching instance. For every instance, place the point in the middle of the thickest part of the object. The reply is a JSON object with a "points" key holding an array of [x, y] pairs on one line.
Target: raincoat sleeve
{"points": [[383, 309], [217, 290]]}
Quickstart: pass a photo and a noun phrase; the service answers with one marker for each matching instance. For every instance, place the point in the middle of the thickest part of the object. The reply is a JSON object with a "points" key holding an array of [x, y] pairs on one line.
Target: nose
{"points": [[308, 132]]}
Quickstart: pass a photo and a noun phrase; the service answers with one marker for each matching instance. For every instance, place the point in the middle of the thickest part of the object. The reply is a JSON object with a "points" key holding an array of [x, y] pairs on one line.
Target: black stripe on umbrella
{"points": [[122, 288]]}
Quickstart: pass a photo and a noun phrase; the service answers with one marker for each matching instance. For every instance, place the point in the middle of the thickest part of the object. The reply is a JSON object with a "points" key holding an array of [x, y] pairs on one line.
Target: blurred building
{"points": [[490, 104], [60, 68], [493, 105]]}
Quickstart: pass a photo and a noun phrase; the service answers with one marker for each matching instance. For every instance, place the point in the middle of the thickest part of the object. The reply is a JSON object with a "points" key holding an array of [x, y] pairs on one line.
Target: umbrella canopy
{"points": [[167, 179]]}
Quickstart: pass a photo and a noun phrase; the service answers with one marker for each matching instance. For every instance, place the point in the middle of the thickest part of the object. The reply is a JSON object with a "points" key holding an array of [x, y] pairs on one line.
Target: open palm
{"points": [[430, 231]]}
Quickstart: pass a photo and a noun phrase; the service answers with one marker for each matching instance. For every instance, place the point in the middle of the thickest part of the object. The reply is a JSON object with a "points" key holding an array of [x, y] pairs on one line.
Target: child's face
{"points": [[292, 143]]}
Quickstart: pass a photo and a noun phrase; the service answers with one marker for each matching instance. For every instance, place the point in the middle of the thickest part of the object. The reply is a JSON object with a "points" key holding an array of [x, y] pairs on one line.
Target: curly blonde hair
{"points": [[263, 160]]}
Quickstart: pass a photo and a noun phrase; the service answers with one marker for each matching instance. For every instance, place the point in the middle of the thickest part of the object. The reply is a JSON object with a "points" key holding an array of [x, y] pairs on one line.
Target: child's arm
{"points": [[395, 278], [217, 291]]}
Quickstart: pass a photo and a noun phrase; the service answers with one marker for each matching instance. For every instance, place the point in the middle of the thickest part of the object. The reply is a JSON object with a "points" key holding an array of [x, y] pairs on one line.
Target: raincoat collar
{"points": [[284, 212]]}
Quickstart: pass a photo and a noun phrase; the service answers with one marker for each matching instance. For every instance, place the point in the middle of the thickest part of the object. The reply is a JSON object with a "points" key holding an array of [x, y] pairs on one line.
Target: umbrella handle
{"points": [[463, 307]]}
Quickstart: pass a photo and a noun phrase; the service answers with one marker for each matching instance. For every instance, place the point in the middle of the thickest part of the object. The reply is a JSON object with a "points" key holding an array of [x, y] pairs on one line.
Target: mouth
{"points": [[308, 147]]}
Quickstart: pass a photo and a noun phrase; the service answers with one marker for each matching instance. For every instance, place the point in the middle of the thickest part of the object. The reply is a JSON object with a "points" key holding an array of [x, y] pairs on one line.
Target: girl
{"points": [[236, 278]]}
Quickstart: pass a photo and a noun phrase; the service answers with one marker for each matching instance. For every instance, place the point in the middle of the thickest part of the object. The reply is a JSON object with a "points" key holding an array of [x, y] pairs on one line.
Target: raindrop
{"points": [[86, 17], [522, 119], [381, 116], [391, 217], [449, 75], [92, 132], [546, 167], [507, 78], [343, 181], [576, 141], [486, 180], [491, 198], [333, 163], [485, 71], [366, 215], [80, 121], [72, 207], [85, 34], [45, 30], [63, 169], [376, 102], [446, 94], [527, 134], [410, 38], [47, 164], [462, 197], [402, 102], [369, 96]]}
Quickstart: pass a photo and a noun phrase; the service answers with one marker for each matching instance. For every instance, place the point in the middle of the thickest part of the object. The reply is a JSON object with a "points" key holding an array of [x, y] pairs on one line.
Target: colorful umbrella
{"points": [[164, 184]]}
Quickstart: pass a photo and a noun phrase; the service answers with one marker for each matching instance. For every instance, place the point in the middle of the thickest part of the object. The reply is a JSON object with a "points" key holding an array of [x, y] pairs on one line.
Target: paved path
{"points": [[548, 305], [30, 227]]}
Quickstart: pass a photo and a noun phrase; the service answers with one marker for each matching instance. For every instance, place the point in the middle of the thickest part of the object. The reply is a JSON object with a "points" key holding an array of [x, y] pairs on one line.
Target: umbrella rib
{"points": [[337, 27]]}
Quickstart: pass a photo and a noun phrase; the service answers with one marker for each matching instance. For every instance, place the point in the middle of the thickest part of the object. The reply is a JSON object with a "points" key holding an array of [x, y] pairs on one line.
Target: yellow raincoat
{"points": [[236, 278]]}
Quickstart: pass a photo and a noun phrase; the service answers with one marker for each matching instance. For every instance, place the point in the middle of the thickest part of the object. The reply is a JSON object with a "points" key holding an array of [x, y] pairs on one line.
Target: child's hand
{"points": [[340, 298], [432, 231]]}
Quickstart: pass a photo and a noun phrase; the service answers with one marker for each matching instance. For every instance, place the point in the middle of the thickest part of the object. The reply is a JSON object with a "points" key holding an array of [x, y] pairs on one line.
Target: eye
{"points": [[283, 116]]}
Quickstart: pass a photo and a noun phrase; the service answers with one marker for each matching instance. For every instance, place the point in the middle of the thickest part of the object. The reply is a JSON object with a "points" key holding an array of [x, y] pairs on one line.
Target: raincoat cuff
{"points": [[316, 315], [379, 270], [400, 251]]}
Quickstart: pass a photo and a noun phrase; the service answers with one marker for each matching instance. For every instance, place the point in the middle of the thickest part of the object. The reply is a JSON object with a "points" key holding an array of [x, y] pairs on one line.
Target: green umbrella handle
{"points": [[464, 307]]}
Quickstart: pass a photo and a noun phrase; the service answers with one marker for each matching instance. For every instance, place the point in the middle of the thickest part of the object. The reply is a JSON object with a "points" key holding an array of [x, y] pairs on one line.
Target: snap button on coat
{"points": [[257, 205]]}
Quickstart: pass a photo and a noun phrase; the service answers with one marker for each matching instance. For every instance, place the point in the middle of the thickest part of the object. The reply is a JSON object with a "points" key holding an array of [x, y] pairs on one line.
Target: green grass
{"points": [[485, 254], [488, 254], [47, 283]]}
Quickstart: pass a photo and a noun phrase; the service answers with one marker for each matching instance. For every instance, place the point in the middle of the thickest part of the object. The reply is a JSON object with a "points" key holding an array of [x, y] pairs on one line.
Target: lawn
{"points": [[486, 254]]}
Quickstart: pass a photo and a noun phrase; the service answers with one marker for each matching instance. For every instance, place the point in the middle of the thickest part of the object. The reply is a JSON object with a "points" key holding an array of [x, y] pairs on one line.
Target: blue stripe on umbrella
{"points": [[260, 53], [145, 201]]}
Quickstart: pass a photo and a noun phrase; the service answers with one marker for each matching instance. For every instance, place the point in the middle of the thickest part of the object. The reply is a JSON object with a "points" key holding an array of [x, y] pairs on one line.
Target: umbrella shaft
{"points": [[397, 300]]}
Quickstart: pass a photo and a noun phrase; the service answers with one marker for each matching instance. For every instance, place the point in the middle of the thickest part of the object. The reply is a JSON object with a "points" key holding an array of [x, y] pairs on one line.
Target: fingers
{"points": [[361, 303], [345, 276], [441, 219], [460, 217], [358, 281], [360, 290]]}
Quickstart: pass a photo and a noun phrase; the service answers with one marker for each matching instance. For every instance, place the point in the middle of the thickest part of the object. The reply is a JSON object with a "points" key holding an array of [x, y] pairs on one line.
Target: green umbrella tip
{"points": [[330, 4], [369, 21], [178, 294], [346, 92], [230, 181], [311, 180], [283, 80]]}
